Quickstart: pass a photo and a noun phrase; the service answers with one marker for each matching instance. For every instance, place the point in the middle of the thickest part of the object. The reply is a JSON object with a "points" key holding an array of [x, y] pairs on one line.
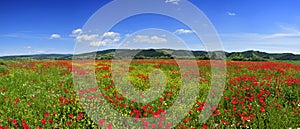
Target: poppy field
{"points": [[42, 94]]}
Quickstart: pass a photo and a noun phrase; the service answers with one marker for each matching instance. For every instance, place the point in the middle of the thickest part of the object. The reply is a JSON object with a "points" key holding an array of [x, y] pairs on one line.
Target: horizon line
{"points": [[58, 53]]}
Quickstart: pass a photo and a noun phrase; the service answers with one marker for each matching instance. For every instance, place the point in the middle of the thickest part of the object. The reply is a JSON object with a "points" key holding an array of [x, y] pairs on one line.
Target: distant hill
{"points": [[39, 56], [257, 56], [168, 54]]}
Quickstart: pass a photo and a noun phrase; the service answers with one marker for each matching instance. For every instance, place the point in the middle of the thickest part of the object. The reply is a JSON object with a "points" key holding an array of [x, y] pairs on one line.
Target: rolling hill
{"points": [[167, 54]]}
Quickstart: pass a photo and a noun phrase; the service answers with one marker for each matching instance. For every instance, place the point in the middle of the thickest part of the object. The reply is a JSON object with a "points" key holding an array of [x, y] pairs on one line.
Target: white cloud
{"points": [[98, 43], [290, 32], [287, 32], [55, 36], [172, 1], [107, 38], [28, 47], [128, 35], [149, 39], [85, 37], [231, 13], [258, 41], [280, 35], [267, 45], [110, 34], [76, 32], [184, 31]]}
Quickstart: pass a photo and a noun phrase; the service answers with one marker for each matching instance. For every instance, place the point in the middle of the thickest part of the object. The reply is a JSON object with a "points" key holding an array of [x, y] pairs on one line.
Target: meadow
{"points": [[41, 94]]}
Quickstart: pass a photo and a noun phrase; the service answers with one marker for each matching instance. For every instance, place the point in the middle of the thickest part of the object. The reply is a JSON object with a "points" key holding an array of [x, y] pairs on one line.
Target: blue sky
{"points": [[46, 26]]}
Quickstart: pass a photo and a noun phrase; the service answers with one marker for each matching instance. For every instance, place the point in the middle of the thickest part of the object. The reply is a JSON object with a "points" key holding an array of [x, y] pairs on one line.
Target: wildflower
{"points": [[69, 123], [17, 100], [3, 89], [225, 123], [25, 125], [44, 121], [153, 125], [101, 122], [71, 116], [46, 114], [186, 120], [262, 110], [14, 121], [79, 116], [109, 126]]}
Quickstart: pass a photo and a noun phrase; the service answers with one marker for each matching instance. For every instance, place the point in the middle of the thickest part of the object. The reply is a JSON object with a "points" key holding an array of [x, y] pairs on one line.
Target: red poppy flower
{"points": [[101, 122], [46, 114], [71, 116], [69, 123], [44, 121], [14, 121], [204, 127], [262, 109], [17, 100], [25, 125], [79, 116]]}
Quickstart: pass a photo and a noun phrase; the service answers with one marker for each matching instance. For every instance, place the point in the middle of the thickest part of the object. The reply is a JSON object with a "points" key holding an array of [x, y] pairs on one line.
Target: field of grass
{"points": [[42, 94]]}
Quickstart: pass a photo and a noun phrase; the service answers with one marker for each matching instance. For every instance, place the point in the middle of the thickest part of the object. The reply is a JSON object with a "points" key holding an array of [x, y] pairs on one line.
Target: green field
{"points": [[42, 94]]}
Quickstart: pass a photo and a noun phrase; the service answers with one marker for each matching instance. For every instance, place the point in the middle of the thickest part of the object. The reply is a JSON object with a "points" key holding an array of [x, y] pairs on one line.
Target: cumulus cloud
{"points": [[98, 43], [86, 37], [231, 13], [55, 36], [107, 38], [111, 34], [184, 31], [172, 1], [128, 35], [76, 32], [149, 39]]}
